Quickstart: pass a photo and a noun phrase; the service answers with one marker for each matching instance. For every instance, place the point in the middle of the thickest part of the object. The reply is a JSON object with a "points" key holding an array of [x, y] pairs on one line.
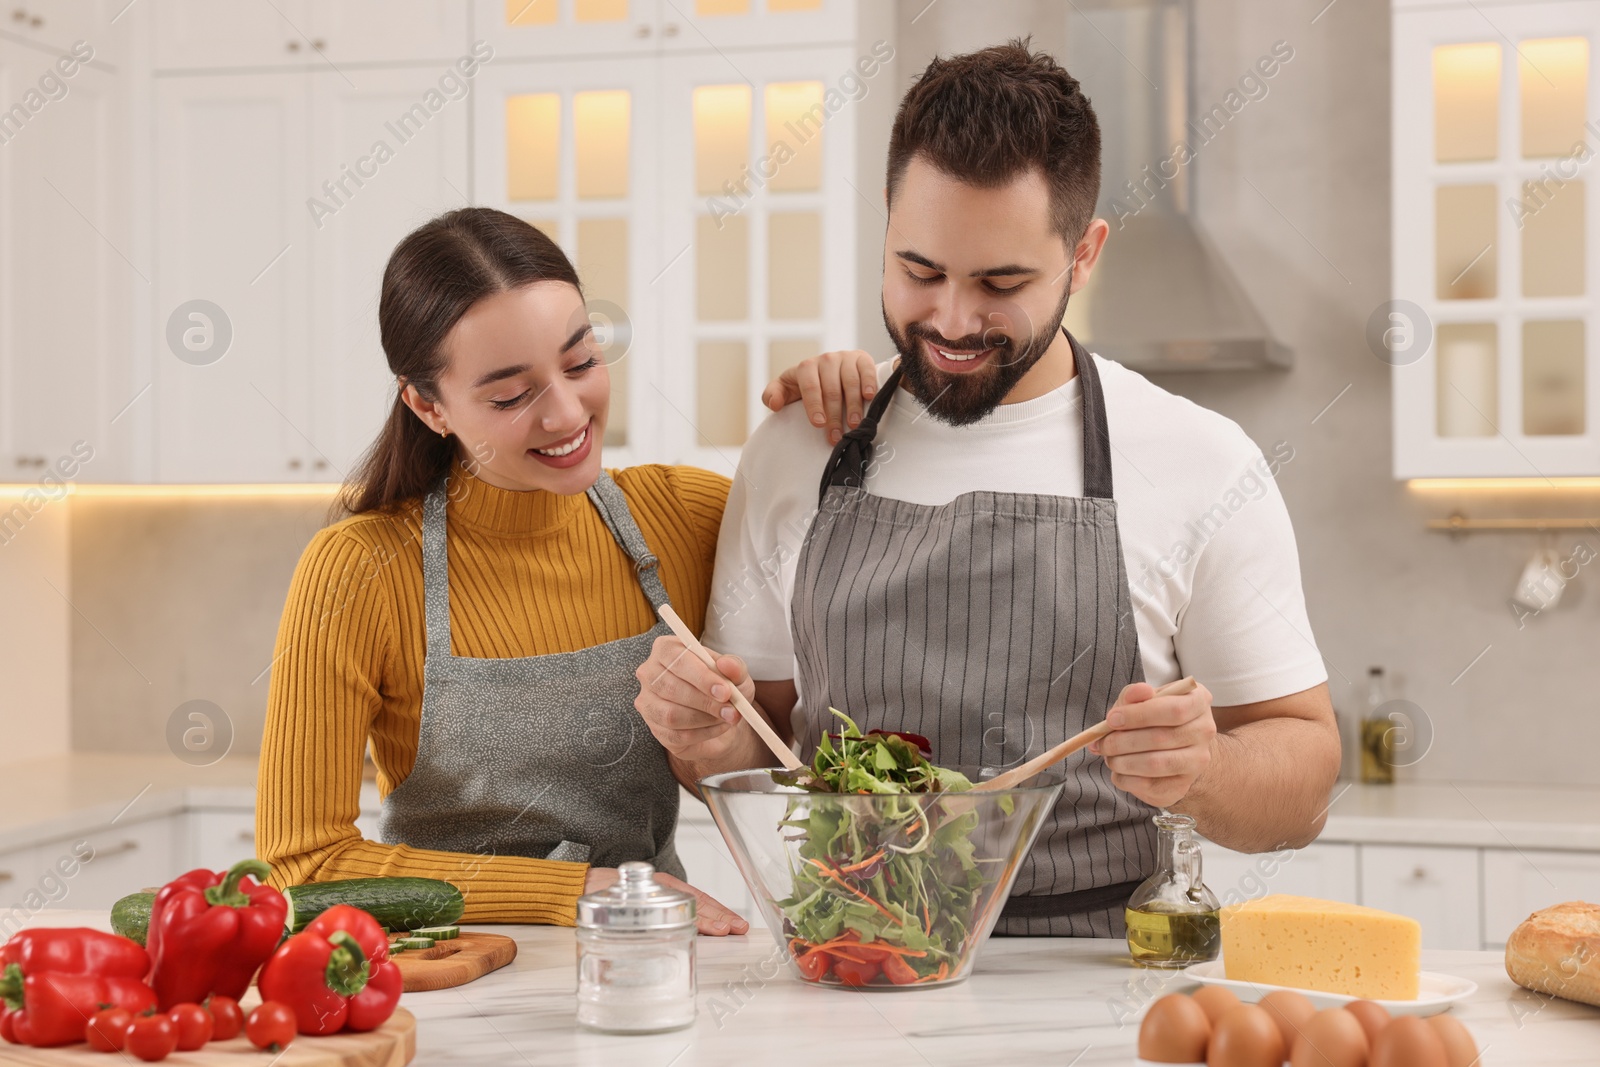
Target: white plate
{"points": [[1435, 992]]}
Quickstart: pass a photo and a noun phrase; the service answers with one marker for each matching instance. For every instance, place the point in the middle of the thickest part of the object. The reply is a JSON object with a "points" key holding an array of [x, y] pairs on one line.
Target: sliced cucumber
{"points": [[438, 933], [414, 942]]}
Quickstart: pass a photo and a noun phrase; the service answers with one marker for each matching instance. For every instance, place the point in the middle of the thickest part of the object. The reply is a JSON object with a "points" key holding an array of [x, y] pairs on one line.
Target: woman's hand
{"points": [[713, 918], [835, 387]]}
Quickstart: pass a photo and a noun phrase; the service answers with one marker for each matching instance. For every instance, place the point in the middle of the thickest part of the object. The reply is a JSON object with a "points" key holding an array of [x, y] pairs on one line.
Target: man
{"points": [[1018, 536]]}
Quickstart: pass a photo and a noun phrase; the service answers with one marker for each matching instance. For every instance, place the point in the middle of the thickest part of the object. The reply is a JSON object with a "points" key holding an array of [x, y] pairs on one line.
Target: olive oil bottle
{"points": [[1172, 917]]}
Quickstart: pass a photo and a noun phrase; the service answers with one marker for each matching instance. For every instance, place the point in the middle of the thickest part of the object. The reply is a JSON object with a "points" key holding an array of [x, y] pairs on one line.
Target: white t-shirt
{"points": [[1206, 539]]}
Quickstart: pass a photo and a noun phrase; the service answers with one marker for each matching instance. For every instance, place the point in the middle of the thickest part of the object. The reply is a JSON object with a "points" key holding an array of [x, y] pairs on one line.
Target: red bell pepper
{"points": [[209, 931], [52, 1008], [75, 950], [47, 976], [335, 974]]}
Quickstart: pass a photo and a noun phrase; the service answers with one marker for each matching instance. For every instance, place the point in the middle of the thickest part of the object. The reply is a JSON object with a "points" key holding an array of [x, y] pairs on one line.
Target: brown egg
{"points": [[1175, 1030], [1408, 1042], [1330, 1038], [1460, 1050], [1245, 1036], [1290, 1011], [1216, 1001], [1374, 1018]]}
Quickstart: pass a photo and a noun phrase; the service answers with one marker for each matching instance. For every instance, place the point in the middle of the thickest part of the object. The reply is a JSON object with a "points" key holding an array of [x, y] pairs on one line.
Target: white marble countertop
{"points": [[54, 798], [1043, 1000]]}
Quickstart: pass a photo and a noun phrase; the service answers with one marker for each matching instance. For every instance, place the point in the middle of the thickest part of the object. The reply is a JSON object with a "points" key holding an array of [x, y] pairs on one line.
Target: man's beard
{"points": [[962, 399]]}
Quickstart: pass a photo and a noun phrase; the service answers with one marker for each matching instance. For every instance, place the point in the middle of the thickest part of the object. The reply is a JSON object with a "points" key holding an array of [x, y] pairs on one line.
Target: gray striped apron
{"points": [[996, 625], [540, 756]]}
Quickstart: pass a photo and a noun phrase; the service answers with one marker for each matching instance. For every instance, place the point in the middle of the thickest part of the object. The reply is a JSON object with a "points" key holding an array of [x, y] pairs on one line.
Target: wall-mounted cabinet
{"points": [[223, 193], [1493, 333]]}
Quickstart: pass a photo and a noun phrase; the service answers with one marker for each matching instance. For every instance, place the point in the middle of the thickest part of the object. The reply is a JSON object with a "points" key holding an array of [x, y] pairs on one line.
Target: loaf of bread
{"points": [[1556, 950]]}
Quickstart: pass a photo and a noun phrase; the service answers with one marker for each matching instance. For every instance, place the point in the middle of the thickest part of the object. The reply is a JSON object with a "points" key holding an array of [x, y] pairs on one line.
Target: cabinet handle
{"points": [[129, 845], [36, 22], [294, 464], [319, 44], [7, 876], [321, 464], [247, 835], [670, 30], [1420, 874], [19, 15], [293, 46], [641, 31]]}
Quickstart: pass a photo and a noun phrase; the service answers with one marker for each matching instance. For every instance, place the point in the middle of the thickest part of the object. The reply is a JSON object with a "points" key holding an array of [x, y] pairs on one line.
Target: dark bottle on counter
{"points": [[1377, 734]]}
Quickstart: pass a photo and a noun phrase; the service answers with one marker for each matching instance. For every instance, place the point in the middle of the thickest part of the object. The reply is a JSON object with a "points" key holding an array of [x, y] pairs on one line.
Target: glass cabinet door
{"points": [[1494, 143], [568, 28], [571, 148], [758, 218]]}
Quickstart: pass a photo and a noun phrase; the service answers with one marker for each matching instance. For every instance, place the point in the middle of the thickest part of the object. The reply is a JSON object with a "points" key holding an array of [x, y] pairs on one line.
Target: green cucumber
{"points": [[414, 942], [397, 903], [130, 916], [438, 933]]}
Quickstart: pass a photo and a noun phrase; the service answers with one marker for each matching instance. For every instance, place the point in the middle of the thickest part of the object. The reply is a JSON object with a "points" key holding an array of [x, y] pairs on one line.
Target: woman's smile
{"points": [[569, 451]]}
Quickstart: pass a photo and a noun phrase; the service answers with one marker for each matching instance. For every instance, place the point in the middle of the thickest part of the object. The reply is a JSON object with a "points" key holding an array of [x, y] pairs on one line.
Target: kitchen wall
{"points": [[179, 600]]}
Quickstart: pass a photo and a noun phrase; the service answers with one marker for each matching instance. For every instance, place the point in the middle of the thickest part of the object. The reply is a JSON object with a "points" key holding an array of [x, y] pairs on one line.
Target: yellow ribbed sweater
{"points": [[531, 574]]}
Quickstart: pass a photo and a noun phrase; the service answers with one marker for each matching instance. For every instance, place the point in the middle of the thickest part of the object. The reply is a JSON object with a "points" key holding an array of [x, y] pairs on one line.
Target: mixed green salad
{"points": [[885, 893]]}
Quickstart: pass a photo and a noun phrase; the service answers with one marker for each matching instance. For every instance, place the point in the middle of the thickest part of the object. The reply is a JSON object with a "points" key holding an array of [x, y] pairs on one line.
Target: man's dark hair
{"points": [[988, 116]]}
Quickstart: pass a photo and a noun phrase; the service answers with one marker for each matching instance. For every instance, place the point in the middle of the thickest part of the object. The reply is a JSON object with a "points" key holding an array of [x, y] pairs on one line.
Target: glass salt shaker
{"points": [[1172, 916], [636, 956]]}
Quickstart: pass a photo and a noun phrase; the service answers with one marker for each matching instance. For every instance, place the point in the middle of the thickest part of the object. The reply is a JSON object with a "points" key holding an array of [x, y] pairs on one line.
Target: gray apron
{"points": [[996, 625], [540, 756]]}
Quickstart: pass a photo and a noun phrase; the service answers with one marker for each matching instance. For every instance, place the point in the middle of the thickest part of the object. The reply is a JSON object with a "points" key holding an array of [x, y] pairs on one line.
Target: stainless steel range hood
{"points": [[1161, 298]]}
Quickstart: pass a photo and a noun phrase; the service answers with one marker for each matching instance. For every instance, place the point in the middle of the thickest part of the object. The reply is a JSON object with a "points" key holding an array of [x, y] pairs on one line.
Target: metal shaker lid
{"points": [[636, 902]]}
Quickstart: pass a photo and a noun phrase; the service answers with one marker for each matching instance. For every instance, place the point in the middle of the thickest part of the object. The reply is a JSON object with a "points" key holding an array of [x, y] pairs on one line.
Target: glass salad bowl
{"points": [[879, 890]]}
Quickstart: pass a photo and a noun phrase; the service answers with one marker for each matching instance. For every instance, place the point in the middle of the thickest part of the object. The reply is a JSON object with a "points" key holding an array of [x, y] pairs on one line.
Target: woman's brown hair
{"points": [[434, 275]]}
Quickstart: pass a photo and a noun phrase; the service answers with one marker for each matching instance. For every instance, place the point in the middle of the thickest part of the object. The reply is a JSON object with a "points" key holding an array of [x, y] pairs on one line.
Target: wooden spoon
{"points": [[1019, 774], [757, 721]]}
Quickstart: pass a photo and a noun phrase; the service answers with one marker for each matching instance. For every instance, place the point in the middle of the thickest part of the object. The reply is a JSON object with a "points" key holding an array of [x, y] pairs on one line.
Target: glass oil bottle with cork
{"points": [[1377, 734], [1172, 917]]}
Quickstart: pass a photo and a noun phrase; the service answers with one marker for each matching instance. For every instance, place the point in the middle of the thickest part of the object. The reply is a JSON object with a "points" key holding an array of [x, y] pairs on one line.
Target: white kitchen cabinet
{"points": [[231, 230], [1436, 886], [1321, 869], [206, 35], [553, 29], [65, 282], [217, 838], [350, 388], [125, 858], [19, 877], [1517, 882], [1492, 329]]}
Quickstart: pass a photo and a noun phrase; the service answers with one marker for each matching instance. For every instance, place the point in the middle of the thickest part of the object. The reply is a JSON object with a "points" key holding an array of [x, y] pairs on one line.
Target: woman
{"points": [[479, 615]]}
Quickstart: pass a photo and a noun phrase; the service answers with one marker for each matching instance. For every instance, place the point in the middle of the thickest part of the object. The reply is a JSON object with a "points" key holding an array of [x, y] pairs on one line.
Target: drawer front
{"points": [[1327, 871], [1518, 883], [113, 861], [1438, 887]]}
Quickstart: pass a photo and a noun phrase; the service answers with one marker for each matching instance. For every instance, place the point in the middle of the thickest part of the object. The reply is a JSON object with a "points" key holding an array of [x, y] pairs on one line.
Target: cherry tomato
{"points": [[151, 1037], [108, 1029], [857, 974], [227, 1020], [194, 1026], [813, 965], [271, 1026], [898, 971]]}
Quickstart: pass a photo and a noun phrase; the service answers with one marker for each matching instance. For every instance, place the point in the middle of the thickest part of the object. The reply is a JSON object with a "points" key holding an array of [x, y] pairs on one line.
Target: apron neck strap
{"points": [[1096, 433], [435, 573], [609, 500], [847, 466]]}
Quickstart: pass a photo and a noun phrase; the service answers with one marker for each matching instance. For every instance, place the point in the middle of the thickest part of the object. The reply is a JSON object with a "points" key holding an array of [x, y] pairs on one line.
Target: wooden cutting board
{"points": [[391, 1045], [460, 960]]}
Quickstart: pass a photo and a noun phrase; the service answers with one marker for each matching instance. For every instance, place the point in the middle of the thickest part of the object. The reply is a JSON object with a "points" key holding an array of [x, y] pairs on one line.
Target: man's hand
{"points": [[713, 918], [688, 707], [1158, 746], [835, 387]]}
